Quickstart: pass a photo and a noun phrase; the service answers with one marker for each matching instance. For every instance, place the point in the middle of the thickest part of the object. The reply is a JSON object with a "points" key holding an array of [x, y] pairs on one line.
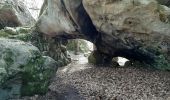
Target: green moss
{"points": [[19, 33], [8, 57], [31, 79], [10, 32], [48, 46], [24, 30], [3, 33], [153, 49], [3, 75], [161, 63], [32, 88], [36, 77], [92, 59], [95, 58], [23, 37], [23, 59]]}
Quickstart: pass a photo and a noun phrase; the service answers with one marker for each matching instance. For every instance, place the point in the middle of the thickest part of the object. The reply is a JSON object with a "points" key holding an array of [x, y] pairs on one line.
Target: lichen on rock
{"points": [[23, 62], [47, 45], [13, 13]]}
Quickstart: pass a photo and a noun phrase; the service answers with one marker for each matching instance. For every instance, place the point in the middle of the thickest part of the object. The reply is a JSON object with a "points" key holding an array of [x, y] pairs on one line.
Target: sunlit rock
{"points": [[67, 18], [14, 13], [133, 29]]}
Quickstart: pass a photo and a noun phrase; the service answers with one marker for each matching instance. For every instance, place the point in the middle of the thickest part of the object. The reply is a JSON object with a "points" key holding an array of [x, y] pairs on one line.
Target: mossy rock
{"points": [[4, 34], [161, 63], [20, 61], [48, 46], [95, 58], [9, 32]]}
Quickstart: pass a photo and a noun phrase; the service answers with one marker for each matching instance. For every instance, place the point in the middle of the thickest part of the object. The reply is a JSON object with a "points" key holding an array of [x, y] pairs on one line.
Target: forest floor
{"points": [[79, 81]]}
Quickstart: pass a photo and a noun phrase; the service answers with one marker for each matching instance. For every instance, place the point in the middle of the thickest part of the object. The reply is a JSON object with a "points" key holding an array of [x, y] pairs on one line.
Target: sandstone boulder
{"points": [[48, 46], [23, 70], [66, 18], [14, 13], [133, 29]]}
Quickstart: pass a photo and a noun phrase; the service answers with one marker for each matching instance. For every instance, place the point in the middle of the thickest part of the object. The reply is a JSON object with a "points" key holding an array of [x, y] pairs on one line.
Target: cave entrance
{"points": [[79, 50], [120, 60]]}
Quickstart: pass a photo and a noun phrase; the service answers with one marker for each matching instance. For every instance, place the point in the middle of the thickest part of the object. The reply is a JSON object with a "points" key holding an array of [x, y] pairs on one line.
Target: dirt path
{"points": [[88, 82]]}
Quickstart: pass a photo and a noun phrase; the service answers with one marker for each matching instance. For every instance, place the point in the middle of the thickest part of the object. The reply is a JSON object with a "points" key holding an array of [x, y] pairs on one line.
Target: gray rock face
{"points": [[48, 46], [70, 18], [134, 29], [51, 47], [97, 57], [14, 13], [23, 70], [164, 2]]}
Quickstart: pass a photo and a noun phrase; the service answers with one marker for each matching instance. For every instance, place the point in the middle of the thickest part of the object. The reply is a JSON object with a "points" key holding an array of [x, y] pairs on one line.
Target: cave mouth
{"points": [[79, 50]]}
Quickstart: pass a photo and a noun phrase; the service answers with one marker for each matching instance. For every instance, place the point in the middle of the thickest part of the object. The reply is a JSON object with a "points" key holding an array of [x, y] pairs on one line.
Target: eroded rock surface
{"points": [[70, 18], [134, 29], [14, 13], [48, 46]]}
